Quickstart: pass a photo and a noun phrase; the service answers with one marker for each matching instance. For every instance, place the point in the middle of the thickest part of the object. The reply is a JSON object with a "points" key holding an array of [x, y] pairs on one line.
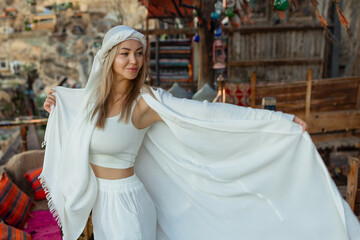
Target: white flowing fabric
{"points": [[214, 171]]}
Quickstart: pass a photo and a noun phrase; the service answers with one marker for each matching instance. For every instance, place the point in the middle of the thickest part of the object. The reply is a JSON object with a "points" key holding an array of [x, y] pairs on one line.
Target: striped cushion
{"points": [[14, 204], [11, 233], [33, 177]]}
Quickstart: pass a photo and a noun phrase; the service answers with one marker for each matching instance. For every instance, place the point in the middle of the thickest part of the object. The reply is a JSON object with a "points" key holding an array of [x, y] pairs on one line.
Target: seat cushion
{"points": [[14, 204], [19, 164], [9, 232], [33, 177]]}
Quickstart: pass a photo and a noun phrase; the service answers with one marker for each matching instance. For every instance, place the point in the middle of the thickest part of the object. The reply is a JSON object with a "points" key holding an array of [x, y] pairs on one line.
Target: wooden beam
{"points": [[270, 62], [308, 95], [334, 121], [332, 80], [23, 133], [278, 28], [253, 88], [358, 97], [187, 31], [352, 181]]}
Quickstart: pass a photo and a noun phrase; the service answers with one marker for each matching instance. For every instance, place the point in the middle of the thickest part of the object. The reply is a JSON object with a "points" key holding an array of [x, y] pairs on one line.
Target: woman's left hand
{"points": [[301, 122]]}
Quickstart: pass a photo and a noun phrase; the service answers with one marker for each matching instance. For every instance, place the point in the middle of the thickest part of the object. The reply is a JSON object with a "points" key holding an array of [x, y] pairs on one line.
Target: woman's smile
{"points": [[133, 69]]}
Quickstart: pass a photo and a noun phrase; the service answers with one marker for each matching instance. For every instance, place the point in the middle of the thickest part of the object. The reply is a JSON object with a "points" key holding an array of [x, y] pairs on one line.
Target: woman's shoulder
{"points": [[146, 89]]}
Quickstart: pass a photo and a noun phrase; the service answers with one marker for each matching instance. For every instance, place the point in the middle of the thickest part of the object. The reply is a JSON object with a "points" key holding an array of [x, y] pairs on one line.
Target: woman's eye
{"points": [[124, 54], [139, 54]]}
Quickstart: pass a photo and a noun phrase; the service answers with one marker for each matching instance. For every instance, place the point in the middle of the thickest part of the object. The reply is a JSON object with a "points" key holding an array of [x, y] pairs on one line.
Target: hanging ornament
{"points": [[344, 21], [230, 3], [195, 13], [196, 38], [215, 15], [225, 21], [218, 32], [229, 12], [281, 5], [218, 7]]}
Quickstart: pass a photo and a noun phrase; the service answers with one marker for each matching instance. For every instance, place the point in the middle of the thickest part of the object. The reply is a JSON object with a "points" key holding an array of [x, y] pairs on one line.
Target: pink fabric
{"points": [[42, 226]]}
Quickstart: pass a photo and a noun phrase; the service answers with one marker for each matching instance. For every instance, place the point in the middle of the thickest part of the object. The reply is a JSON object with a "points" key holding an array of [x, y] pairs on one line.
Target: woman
{"points": [[109, 129]]}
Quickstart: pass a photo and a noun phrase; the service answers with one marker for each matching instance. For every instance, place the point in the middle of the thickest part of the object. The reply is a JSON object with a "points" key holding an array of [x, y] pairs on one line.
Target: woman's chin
{"points": [[131, 76]]}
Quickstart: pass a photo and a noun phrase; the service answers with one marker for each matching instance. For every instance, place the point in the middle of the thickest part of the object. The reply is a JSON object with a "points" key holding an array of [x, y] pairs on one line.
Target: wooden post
{"points": [[308, 95], [229, 49], [335, 54], [23, 133], [206, 73], [358, 97], [157, 66], [253, 86], [352, 181]]}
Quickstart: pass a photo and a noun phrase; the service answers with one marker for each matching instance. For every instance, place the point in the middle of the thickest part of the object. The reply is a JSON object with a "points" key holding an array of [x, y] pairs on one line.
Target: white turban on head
{"points": [[113, 37]]}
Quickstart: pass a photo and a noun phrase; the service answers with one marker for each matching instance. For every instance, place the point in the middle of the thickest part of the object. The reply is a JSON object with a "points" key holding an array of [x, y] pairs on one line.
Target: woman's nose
{"points": [[132, 59]]}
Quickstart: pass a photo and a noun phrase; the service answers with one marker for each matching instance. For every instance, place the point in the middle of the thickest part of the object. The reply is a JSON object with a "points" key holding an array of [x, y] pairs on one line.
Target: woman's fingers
{"points": [[50, 100], [302, 123]]}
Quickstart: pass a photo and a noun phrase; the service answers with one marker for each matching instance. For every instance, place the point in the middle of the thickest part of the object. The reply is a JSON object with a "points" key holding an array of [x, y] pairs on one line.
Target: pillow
{"points": [[33, 177], [14, 204], [8, 232]]}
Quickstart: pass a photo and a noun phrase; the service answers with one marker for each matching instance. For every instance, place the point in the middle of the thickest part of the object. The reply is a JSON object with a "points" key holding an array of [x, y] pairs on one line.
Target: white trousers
{"points": [[123, 210]]}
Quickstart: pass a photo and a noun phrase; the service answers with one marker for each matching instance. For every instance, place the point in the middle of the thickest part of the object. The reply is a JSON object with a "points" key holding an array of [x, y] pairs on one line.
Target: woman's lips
{"points": [[132, 69]]}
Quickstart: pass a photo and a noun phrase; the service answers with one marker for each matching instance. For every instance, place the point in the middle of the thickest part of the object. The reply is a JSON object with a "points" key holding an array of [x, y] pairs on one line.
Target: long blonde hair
{"points": [[102, 94]]}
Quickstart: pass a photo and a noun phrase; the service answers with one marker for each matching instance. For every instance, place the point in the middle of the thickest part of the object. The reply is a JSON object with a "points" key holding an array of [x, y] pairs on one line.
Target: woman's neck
{"points": [[120, 87]]}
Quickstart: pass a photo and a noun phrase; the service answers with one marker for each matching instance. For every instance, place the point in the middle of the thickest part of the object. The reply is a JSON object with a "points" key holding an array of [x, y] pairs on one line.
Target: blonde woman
{"points": [[191, 160]]}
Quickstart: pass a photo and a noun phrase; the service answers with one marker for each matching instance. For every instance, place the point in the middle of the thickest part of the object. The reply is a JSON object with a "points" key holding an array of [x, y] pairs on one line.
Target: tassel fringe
{"points": [[50, 201]]}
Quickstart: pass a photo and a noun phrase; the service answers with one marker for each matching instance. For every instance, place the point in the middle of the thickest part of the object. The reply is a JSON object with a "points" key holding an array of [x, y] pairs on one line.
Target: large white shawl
{"points": [[214, 171]]}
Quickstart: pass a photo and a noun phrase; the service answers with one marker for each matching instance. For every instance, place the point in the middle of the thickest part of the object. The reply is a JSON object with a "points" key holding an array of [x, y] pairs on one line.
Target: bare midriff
{"points": [[111, 173]]}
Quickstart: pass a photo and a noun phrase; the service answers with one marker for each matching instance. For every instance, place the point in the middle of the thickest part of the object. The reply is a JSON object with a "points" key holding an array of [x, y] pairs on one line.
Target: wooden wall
{"points": [[276, 53]]}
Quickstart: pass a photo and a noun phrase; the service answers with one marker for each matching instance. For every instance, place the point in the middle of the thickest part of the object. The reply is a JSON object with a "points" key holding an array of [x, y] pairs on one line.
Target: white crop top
{"points": [[117, 145]]}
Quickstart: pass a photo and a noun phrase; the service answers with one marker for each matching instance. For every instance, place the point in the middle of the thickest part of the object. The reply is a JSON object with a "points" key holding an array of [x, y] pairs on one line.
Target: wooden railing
{"points": [[23, 124], [326, 104]]}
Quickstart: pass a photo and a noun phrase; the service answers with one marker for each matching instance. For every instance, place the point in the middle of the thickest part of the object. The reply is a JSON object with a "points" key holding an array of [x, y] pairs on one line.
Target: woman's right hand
{"points": [[50, 100]]}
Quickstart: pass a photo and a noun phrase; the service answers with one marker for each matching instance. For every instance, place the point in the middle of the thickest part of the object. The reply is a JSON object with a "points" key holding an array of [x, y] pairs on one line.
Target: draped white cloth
{"points": [[214, 171]]}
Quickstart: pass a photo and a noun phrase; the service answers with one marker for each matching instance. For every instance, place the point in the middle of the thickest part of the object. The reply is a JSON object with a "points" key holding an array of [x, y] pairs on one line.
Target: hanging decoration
{"points": [[218, 7], [229, 12], [215, 15], [245, 6], [322, 20], [218, 32], [196, 38], [281, 6], [344, 21], [218, 54]]}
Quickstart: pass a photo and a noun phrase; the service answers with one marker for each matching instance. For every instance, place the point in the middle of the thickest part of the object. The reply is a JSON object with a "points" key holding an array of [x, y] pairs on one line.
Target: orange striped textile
{"points": [[33, 177], [10, 233], [14, 204]]}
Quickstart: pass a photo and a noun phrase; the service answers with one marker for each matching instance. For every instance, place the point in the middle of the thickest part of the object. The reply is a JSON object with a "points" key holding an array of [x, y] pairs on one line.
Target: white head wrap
{"points": [[112, 38]]}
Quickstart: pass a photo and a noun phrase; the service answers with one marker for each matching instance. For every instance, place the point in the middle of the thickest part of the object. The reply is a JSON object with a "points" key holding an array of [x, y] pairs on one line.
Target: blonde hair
{"points": [[102, 94]]}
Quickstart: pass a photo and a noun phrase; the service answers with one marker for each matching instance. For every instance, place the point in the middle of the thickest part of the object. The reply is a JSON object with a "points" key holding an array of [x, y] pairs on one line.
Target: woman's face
{"points": [[129, 60]]}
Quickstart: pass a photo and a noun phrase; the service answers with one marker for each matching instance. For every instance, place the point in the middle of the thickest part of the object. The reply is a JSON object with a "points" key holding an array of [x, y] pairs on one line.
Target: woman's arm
{"points": [[143, 115]]}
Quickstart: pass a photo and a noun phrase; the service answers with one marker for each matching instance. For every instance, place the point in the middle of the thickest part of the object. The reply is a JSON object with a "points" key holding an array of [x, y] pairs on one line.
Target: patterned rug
{"points": [[239, 94], [42, 226]]}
